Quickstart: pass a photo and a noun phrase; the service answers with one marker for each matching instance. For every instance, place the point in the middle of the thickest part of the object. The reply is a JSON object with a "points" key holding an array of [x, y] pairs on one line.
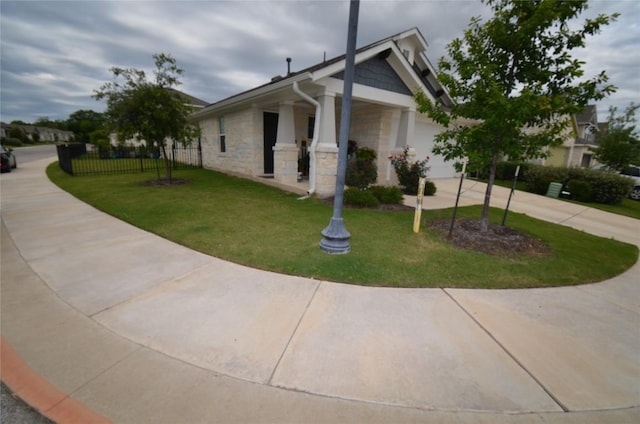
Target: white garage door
{"points": [[423, 143]]}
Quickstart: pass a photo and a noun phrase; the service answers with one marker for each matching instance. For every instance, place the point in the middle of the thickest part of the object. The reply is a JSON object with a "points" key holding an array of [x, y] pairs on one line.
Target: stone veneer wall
{"points": [[327, 165], [243, 139], [371, 127]]}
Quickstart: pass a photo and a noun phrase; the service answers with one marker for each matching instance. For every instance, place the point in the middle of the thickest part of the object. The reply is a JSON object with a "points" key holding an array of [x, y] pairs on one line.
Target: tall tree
{"points": [[619, 143], [152, 111], [83, 122], [514, 83], [45, 121]]}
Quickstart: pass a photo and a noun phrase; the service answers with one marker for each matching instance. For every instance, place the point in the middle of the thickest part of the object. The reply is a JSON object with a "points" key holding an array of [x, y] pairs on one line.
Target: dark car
{"points": [[7, 159]]}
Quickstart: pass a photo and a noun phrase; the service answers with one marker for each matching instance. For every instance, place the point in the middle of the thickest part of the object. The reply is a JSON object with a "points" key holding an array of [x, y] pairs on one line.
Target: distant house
{"points": [[38, 134], [264, 132], [53, 135], [575, 151]]}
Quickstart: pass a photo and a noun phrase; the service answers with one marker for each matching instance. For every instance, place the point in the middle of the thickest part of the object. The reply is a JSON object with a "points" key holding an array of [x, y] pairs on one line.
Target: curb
{"points": [[39, 393]]}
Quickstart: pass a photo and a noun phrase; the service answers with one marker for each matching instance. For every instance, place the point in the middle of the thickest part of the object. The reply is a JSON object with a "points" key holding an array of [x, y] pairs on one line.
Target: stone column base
{"points": [[285, 163], [326, 170]]}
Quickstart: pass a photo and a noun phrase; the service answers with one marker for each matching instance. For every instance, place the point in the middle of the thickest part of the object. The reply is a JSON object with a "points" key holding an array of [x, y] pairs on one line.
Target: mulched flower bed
{"points": [[497, 241]]}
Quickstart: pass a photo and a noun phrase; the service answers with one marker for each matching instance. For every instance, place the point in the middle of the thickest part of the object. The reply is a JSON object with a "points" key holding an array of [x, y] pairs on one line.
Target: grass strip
{"points": [[260, 226]]}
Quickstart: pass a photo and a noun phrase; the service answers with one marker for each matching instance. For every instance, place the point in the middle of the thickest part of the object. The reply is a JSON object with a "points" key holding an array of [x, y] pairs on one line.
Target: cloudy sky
{"points": [[54, 54]]}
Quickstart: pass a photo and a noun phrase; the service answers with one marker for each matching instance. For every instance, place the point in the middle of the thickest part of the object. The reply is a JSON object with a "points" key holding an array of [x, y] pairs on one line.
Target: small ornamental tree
{"points": [[152, 111], [619, 143], [514, 84], [362, 170], [409, 173]]}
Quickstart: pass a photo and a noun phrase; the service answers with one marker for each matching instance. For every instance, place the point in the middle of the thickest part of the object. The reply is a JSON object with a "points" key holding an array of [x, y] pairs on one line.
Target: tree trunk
{"points": [[484, 221], [167, 164]]}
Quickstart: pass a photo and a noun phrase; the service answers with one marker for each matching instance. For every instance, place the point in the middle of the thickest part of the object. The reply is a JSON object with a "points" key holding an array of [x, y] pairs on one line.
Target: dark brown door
{"points": [[270, 135]]}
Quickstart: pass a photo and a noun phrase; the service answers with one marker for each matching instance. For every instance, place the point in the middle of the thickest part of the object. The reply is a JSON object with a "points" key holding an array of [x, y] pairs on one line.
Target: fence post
{"points": [[64, 158]]}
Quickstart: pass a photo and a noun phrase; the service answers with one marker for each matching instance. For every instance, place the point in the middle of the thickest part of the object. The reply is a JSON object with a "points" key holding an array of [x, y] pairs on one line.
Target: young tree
{"points": [[619, 144], [514, 83], [152, 111]]}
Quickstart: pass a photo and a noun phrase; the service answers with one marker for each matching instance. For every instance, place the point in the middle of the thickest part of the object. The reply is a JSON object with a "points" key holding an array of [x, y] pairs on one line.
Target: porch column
{"points": [[404, 138], [406, 128], [327, 134], [285, 151], [327, 149]]}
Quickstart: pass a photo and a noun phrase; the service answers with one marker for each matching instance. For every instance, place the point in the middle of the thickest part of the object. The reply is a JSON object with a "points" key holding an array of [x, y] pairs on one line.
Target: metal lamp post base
{"points": [[335, 238]]}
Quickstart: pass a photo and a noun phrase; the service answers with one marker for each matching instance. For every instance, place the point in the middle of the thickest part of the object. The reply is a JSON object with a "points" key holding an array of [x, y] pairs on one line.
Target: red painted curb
{"points": [[39, 393]]}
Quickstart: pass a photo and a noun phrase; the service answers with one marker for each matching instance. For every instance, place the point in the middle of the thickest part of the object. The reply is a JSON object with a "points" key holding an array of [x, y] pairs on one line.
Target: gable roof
{"points": [[588, 115], [189, 99], [413, 68]]}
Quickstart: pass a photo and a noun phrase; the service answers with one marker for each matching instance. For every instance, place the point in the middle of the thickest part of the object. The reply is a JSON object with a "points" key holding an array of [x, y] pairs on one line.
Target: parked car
{"points": [[633, 171], [7, 159]]}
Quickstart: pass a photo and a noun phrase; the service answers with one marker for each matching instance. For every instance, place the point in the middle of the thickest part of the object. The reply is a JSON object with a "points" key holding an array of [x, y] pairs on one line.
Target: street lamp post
{"points": [[335, 236]]}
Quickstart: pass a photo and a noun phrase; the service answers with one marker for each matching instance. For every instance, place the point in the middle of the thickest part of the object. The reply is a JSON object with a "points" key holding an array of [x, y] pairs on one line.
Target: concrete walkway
{"points": [[102, 322]]}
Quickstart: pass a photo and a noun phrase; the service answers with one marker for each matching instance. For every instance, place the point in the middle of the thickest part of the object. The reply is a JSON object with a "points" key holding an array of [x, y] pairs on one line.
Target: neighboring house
{"points": [[575, 151], [52, 135], [39, 134], [263, 132]]}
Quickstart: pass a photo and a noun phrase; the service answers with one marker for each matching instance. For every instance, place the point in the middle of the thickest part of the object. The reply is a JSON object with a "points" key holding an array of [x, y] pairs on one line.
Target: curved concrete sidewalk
{"points": [[140, 330]]}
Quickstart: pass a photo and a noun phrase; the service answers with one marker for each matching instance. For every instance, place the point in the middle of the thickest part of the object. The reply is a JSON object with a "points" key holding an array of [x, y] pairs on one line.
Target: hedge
{"points": [[604, 187]]}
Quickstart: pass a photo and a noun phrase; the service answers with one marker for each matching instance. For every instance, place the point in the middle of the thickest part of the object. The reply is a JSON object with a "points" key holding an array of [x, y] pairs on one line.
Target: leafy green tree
{"points": [[619, 144], [45, 121], [514, 83], [83, 122], [153, 111], [19, 134]]}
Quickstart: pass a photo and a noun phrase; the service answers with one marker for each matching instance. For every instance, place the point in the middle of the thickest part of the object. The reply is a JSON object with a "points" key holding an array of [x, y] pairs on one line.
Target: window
{"points": [[223, 145], [311, 123]]}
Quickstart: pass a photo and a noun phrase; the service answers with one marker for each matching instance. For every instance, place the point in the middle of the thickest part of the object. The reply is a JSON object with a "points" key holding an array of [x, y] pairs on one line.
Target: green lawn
{"points": [[263, 227]]}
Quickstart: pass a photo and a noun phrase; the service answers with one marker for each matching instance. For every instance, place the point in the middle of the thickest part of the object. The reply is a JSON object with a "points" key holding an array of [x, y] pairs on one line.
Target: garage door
{"points": [[423, 144]]}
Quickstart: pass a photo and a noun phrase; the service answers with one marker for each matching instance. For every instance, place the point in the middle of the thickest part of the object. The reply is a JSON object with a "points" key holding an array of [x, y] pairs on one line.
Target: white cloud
{"points": [[54, 54]]}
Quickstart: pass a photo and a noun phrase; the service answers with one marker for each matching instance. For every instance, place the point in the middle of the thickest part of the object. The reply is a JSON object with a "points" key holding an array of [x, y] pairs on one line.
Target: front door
{"points": [[270, 136]]}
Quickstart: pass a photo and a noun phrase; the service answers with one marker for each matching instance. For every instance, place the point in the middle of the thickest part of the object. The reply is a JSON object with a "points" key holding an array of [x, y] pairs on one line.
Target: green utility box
{"points": [[554, 190]]}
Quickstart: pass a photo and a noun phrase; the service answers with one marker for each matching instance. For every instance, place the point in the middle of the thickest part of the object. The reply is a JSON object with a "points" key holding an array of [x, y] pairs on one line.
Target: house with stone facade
{"points": [[264, 132]]}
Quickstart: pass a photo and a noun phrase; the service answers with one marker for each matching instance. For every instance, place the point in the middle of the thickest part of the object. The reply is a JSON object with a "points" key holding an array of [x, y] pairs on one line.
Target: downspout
{"points": [[314, 141]]}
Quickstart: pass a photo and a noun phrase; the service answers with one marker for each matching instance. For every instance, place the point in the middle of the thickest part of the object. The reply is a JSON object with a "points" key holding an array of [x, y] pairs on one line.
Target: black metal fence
{"points": [[83, 159]]}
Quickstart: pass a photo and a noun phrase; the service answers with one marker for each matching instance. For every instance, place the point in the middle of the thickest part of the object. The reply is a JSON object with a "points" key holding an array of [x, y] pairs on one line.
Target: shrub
{"points": [[362, 170], [360, 198], [429, 188], [605, 188], [409, 173], [580, 190], [13, 142], [505, 171], [387, 195], [539, 178]]}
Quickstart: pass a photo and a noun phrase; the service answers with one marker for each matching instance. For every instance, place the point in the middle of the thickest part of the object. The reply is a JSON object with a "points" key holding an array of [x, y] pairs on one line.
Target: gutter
{"points": [[314, 141], [245, 96]]}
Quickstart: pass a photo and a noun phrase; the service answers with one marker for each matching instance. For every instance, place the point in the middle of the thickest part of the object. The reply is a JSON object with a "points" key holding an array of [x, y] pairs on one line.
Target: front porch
{"points": [[383, 128]]}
